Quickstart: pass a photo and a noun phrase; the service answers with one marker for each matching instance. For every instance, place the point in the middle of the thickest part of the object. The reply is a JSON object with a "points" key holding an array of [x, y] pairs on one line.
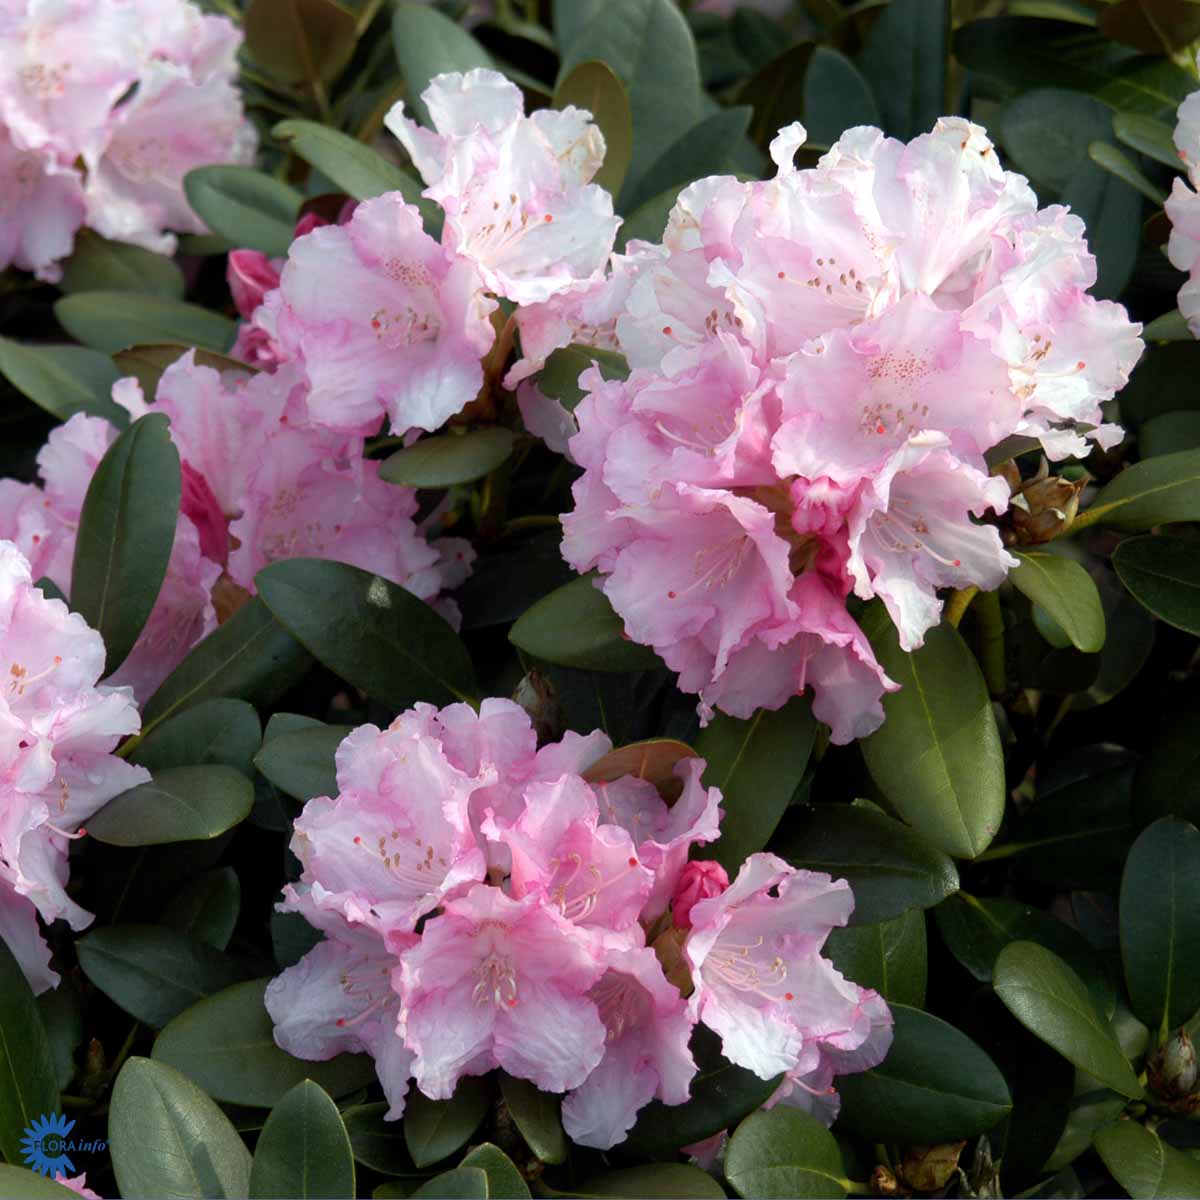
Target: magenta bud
{"points": [[700, 880]]}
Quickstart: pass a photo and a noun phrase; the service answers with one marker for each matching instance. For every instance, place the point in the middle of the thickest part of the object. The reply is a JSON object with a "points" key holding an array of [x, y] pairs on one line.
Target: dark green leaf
{"points": [[428, 43], [1144, 1165], [836, 97], [758, 765], [111, 321], [245, 206], [904, 59], [1088, 1113], [1160, 923], [937, 757], [536, 1115], [1051, 1001], [63, 1022], [301, 762], [1163, 573], [1066, 591], [1168, 777], [220, 731], [371, 632], [96, 264], [890, 869], [559, 378], [936, 1085], [575, 626], [345, 161], [377, 1143], [447, 459], [668, 1180], [300, 41], [208, 907], [594, 86], [435, 1129], [146, 363], [183, 804], [292, 937], [1149, 137], [28, 1079], [649, 46], [784, 1153], [64, 380], [463, 1183], [889, 956], [1156, 491], [775, 93], [303, 1149], [504, 1181], [20, 1183], [251, 656], [648, 221], [167, 1138], [1116, 162], [126, 531], [1169, 433], [153, 972], [722, 1094], [225, 1044]]}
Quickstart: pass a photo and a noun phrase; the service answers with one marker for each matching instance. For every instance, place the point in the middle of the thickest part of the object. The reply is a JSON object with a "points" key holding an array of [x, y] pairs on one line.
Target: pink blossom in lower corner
{"points": [[483, 905], [57, 734]]}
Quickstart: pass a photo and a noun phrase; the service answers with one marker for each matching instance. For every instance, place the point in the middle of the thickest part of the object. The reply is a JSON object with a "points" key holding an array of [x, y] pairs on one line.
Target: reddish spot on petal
{"points": [[781, 275], [37, 537], [340, 1022], [958, 562], [512, 1003], [1080, 365], [547, 218], [667, 330], [633, 862], [881, 429], [82, 832], [57, 659], [788, 996], [357, 840], [670, 595]]}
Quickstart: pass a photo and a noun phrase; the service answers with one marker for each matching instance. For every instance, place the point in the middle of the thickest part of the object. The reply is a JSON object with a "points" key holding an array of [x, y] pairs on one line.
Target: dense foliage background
{"points": [[1019, 833]]}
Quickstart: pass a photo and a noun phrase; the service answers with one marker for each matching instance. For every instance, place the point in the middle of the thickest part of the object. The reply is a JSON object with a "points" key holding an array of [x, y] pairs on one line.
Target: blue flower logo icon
{"points": [[44, 1144]]}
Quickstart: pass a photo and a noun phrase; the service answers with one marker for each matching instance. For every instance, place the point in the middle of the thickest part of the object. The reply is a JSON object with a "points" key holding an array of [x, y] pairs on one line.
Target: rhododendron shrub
{"points": [[599, 599]]}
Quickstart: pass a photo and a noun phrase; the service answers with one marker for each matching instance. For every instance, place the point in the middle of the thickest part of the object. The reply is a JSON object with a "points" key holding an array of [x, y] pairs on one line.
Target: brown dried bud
{"points": [[94, 1061], [885, 1183], [1172, 1070], [930, 1168], [669, 948], [228, 597], [1041, 508], [536, 695]]}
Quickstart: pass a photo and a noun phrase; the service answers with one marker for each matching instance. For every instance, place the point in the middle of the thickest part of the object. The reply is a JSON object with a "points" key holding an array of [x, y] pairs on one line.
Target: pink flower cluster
{"points": [[57, 734], [484, 905], [260, 483], [820, 362], [1183, 208], [404, 331], [105, 105]]}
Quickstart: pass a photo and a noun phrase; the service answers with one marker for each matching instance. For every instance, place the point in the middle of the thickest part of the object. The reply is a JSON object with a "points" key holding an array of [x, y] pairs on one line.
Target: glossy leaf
{"points": [[649, 46], [300, 41], [153, 972], [126, 531], [1169, 433], [463, 1183], [96, 264], [62, 1018], [836, 97], [722, 1094], [20, 1183], [377, 1143], [936, 1085], [183, 804], [1116, 162], [594, 86], [28, 1080], [889, 956], [1066, 591], [301, 762], [775, 93], [889, 868], [1160, 923], [207, 907], [1162, 572], [1155, 491], [1168, 776], [504, 1181], [1051, 1001], [575, 626], [251, 657], [303, 1150], [447, 459], [671, 1181], [758, 765], [427, 43], [784, 1153], [225, 1044], [167, 1138], [559, 378], [1145, 1166], [111, 321], [937, 757], [245, 206], [357, 169], [536, 1115], [904, 59], [435, 1129], [64, 380], [371, 632], [146, 363], [1149, 137], [222, 731]]}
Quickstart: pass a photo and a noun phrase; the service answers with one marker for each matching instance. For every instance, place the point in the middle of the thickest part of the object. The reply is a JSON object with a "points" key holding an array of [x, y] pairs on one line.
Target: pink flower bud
{"points": [[251, 275], [200, 506], [699, 881]]}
